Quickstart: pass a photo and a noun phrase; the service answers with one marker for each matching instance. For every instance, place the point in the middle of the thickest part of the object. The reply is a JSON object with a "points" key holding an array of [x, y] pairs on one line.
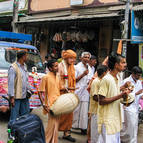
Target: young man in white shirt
{"points": [[129, 133], [93, 64]]}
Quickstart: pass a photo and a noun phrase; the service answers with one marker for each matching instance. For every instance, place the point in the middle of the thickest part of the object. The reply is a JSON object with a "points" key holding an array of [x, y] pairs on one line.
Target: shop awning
{"points": [[49, 19], [138, 7], [120, 7]]}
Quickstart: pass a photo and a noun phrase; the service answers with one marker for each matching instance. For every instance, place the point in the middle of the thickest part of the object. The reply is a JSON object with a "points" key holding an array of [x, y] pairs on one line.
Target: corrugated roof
{"points": [[138, 7], [120, 7], [38, 19]]}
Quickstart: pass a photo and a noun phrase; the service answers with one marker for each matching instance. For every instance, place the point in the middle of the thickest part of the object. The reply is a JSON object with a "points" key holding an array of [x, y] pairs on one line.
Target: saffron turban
{"points": [[68, 54]]}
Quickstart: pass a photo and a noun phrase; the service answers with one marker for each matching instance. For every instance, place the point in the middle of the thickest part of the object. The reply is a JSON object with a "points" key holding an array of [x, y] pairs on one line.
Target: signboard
{"points": [[141, 55], [76, 2], [7, 6], [136, 28]]}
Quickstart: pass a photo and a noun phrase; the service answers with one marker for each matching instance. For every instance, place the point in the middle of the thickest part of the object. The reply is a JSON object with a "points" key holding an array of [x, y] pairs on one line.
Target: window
{"points": [[8, 56]]}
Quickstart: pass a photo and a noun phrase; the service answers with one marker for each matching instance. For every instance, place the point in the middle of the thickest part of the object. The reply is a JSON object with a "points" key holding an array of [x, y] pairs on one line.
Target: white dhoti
{"points": [[130, 127], [94, 129], [80, 116], [105, 138]]}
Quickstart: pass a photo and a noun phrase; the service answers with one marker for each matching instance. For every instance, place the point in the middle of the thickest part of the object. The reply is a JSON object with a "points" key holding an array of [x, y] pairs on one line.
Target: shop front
{"points": [[6, 13], [89, 25], [137, 32], [86, 34]]}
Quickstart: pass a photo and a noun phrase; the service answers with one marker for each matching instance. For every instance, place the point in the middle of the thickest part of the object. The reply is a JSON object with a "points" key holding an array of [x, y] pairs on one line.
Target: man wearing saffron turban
{"points": [[67, 77]]}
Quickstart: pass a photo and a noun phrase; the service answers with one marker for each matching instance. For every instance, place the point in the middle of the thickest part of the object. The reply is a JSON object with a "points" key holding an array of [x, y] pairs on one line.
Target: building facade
{"points": [[89, 25], [6, 13]]}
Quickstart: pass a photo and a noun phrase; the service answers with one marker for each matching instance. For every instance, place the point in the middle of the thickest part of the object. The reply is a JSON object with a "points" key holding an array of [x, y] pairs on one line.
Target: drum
{"points": [[66, 103], [129, 100]]}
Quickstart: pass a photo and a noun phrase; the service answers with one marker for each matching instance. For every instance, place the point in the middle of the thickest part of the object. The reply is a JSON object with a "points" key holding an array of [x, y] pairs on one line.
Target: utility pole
{"points": [[125, 31], [15, 16]]}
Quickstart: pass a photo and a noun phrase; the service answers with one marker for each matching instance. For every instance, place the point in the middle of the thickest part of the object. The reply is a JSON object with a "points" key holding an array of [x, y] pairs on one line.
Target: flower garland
{"points": [[65, 74], [3, 74], [35, 77]]}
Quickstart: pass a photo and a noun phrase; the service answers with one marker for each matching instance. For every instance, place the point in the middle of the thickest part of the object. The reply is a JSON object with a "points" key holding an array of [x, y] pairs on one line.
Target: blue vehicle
{"points": [[8, 52]]}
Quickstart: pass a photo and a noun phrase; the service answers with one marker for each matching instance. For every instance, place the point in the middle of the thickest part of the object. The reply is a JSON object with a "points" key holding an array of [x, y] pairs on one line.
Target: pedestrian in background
{"points": [[47, 58], [18, 86], [93, 62]]}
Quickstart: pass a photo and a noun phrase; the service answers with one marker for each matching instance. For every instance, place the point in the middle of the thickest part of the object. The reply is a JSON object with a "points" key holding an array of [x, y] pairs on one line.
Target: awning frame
{"points": [[49, 19]]}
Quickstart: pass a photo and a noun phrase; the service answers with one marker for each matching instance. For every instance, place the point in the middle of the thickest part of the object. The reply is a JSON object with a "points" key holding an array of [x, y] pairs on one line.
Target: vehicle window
{"points": [[8, 56], [34, 60], [4, 63]]}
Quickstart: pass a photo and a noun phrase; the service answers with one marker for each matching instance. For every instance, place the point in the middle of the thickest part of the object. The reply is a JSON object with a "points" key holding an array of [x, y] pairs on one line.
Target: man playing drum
{"points": [[50, 89], [67, 77]]}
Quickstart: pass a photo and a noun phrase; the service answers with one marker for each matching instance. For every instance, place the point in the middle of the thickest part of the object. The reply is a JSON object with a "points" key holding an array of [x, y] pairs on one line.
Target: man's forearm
{"points": [[11, 81], [104, 100], [139, 92], [80, 77], [41, 97]]}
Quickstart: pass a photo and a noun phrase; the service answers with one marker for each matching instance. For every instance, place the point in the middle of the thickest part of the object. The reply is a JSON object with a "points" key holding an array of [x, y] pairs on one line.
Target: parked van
{"points": [[8, 52]]}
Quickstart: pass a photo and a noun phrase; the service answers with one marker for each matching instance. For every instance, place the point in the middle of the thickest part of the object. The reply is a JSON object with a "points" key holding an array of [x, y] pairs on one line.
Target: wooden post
{"points": [[15, 16]]}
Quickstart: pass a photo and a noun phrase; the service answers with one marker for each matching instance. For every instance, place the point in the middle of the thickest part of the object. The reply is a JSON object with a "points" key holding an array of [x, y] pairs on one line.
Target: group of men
{"points": [[99, 92]]}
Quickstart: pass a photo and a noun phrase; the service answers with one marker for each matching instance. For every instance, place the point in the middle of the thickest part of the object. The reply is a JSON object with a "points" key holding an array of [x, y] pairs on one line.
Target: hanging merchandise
{"points": [[91, 35], [78, 36], [68, 35], [57, 37], [64, 36], [84, 37], [73, 36], [120, 46], [60, 37]]}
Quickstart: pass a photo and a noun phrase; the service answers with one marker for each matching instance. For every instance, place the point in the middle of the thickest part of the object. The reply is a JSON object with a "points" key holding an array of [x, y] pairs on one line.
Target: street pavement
{"points": [[75, 133]]}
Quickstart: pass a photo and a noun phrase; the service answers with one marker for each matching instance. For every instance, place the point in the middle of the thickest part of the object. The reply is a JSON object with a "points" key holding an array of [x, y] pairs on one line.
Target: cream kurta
{"points": [[93, 110], [94, 91], [110, 114]]}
